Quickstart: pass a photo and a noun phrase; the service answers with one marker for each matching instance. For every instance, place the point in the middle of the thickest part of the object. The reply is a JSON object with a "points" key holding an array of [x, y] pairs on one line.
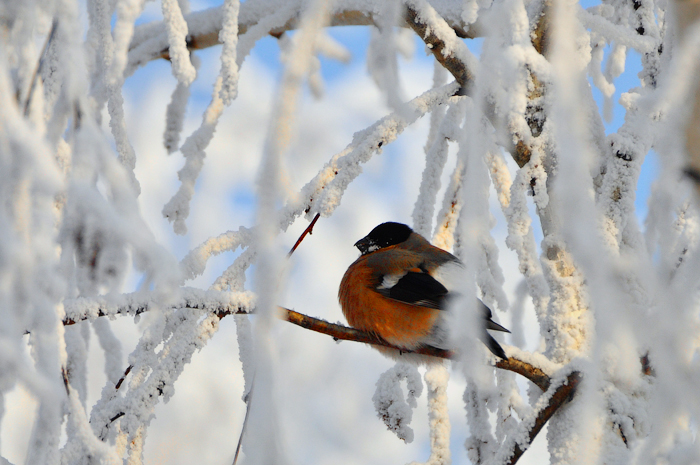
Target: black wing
{"points": [[422, 289], [417, 288]]}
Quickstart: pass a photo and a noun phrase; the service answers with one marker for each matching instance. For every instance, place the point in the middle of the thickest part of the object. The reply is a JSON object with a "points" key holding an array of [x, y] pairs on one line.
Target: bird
{"points": [[398, 290]]}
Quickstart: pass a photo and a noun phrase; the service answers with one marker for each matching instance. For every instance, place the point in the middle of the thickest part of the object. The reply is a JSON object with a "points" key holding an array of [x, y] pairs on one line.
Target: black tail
{"points": [[486, 338], [493, 346]]}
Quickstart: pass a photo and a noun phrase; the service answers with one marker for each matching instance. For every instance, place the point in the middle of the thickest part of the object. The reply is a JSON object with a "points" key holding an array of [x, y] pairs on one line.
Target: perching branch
{"points": [[222, 304], [351, 334]]}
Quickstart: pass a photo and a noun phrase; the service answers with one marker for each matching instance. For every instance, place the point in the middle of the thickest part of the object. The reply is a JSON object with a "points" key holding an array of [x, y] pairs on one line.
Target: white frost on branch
{"points": [[195, 261], [229, 38], [615, 33], [435, 159], [382, 59], [181, 67], [436, 379], [177, 209], [90, 308], [436, 24], [395, 411], [175, 113], [346, 166]]}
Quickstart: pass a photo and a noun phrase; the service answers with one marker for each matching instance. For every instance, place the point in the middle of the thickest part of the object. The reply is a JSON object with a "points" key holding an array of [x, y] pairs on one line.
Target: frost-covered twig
{"points": [[221, 303], [39, 66]]}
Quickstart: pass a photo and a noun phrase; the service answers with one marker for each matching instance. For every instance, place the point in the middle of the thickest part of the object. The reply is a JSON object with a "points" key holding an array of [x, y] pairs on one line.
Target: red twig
{"points": [[308, 230]]}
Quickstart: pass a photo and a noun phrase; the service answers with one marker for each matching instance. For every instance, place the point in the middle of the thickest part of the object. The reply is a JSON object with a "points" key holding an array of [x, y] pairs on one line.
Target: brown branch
{"points": [[211, 38], [561, 396], [531, 372], [308, 230], [449, 61], [541, 34], [521, 152], [351, 334]]}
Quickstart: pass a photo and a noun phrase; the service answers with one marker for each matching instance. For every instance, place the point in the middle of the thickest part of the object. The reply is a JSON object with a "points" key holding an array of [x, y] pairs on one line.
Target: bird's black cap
{"points": [[384, 235]]}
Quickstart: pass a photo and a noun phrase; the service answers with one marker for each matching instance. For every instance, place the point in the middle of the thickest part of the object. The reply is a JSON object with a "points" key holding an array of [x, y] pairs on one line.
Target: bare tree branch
{"points": [[448, 59], [39, 66], [561, 396], [150, 40]]}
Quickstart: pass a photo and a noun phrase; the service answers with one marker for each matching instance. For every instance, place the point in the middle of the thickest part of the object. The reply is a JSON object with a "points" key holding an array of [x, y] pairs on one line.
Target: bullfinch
{"points": [[397, 290]]}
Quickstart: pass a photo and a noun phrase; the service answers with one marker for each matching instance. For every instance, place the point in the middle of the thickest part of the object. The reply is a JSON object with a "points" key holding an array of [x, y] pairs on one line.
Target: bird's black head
{"points": [[384, 235]]}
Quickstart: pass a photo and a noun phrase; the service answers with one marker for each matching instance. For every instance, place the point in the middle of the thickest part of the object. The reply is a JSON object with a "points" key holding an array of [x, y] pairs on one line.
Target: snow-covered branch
{"points": [[150, 40]]}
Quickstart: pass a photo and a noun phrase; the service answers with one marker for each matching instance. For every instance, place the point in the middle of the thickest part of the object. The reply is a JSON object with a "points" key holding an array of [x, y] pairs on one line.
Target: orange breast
{"points": [[400, 324]]}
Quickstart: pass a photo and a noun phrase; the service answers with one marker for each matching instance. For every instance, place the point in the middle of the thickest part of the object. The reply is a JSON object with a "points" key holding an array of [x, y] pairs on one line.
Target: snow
{"points": [[182, 68], [436, 379], [555, 247]]}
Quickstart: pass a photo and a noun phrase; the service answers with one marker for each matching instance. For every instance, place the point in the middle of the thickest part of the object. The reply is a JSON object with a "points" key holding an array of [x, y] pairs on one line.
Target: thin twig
{"points": [[121, 380], [116, 417], [39, 65], [64, 374], [248, 401], [531, 372], [308, 230]]}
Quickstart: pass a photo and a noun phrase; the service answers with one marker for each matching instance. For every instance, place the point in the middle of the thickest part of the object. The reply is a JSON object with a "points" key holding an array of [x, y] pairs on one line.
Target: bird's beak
{"points": [[363, 244]]}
